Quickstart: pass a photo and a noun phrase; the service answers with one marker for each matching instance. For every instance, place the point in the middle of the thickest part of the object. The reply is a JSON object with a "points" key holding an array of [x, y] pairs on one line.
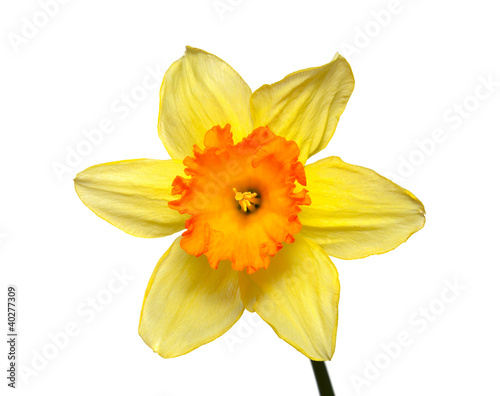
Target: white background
{"points": [[420, 66]]}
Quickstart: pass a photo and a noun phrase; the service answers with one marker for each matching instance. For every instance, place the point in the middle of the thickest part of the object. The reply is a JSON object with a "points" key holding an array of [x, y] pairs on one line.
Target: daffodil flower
{"points": [[260, 226]]}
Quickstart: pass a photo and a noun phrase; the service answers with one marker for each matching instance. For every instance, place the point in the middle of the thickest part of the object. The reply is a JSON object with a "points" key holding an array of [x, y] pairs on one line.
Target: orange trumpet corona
{"points": [[243, 198]]}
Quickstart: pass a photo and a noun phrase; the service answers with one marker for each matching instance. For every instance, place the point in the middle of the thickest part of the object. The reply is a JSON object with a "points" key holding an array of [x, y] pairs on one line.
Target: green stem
{"points": [[322, 379]]}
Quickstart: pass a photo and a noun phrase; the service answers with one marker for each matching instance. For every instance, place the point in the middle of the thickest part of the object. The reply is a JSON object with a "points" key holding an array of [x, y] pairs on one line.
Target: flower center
{"points": [[248, 201], [263, 175]]}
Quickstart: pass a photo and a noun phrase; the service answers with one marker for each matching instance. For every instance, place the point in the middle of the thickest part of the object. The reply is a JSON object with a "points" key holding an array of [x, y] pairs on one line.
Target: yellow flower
{"points": [[260, 225]]}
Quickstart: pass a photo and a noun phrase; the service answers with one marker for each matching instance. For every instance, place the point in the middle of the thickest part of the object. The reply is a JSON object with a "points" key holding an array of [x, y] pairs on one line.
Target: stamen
{"points": [[247, 200]]}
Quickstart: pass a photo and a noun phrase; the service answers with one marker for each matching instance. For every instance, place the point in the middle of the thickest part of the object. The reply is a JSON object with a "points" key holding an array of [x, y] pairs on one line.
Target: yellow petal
{"points": [[355, 212], [188, 303], [133, 195], [306, 105], [200, 91], [298, 296]]}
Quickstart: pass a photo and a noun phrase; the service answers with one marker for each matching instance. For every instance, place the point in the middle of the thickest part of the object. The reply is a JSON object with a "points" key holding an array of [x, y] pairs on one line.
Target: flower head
{"points": [[259, 223], [246, 212]]}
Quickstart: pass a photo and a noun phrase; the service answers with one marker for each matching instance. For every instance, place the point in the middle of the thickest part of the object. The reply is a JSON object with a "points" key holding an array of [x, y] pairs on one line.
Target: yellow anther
{"points": [[247, 200]]}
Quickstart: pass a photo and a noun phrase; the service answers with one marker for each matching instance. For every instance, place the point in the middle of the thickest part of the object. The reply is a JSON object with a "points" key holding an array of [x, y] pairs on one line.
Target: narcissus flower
{"points": [[260, 226]]}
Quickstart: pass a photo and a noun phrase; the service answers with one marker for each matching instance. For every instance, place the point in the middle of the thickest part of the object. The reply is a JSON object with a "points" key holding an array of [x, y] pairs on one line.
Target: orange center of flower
{"points": [[243, 199]]}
